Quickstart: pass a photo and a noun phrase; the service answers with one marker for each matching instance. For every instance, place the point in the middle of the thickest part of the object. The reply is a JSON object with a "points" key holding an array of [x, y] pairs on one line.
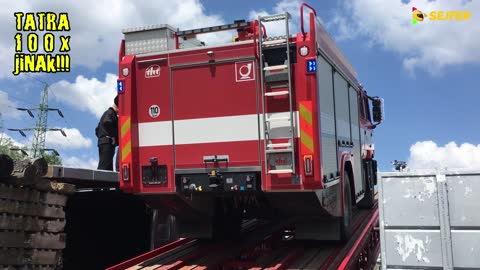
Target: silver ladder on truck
{"points": [[274, 78]]}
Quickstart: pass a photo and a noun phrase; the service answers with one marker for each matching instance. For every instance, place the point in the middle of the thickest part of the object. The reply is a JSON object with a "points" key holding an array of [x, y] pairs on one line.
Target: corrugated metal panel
{"points": [[327, 118], [148, 28], [342, 112], [430, 220], [149, 39]]}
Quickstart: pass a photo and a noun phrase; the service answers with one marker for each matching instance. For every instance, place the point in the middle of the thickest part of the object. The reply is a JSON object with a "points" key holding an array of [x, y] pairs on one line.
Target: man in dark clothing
{"points": [[107, 134]]}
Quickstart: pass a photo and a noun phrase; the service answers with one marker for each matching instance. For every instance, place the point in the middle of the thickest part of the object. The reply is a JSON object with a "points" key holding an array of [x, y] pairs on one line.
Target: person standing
{"points": [[107, 134]]}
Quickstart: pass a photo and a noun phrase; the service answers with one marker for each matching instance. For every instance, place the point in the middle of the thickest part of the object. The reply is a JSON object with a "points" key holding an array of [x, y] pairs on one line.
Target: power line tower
{"points": [[39, 136], [41, 127]]}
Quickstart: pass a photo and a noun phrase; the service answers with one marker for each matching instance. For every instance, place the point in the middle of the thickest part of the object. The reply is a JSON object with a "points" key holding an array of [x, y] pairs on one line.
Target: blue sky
{"points": [[427, 73]]}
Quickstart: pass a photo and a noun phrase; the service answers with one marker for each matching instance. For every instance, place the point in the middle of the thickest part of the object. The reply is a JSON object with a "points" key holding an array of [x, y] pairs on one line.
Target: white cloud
{"points": [[74, 139], [87, 95], [344, 28], [54, 139], [96, 32], [429, 45], [76, 162], [278, 28], [429, 155], [7, 106]]}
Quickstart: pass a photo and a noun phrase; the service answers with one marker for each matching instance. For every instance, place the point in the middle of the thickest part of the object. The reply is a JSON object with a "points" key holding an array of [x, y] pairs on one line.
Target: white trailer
{"points": [[430, 220]]}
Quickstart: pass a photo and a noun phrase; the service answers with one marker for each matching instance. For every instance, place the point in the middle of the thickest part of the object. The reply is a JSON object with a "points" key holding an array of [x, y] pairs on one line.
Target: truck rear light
{"points": [[125, 172], [304, 51], [249, 182], [308, 166], [125, 71]]}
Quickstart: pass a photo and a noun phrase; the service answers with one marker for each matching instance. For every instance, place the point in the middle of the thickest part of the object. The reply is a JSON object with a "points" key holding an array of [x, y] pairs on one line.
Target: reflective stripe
{"points": [[125, 127], [306, 129], [306, 140], [126, 150], [125, 138], [306, 113]]}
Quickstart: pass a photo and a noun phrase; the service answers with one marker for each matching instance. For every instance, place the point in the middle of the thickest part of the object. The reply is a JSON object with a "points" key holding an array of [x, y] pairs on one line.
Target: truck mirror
{"points": [[378, 111]]}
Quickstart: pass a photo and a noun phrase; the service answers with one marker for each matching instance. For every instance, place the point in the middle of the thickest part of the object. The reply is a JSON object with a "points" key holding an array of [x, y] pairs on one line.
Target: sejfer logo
{"points": [[152, 71], [419, 16], [244, 71]]}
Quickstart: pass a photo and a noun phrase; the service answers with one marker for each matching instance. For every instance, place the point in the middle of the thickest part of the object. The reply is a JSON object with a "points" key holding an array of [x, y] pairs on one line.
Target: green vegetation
{"points": [[52, 159], [6, 144]]}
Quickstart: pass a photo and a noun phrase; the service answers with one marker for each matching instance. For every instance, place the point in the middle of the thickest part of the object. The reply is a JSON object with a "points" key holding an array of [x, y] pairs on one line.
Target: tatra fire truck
{"points": [[265, 126]]}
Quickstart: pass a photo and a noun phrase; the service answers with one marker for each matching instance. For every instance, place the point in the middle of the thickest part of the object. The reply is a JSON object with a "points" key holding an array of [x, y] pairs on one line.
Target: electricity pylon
{"points": [[41, 127]]}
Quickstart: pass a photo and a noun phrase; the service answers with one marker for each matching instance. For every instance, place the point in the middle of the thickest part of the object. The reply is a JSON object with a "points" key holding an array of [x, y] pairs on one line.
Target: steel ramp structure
{"points": [[83, 178], [268, 250]]}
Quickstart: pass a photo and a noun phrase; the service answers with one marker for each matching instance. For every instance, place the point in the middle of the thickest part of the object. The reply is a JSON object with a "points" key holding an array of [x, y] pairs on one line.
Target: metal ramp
{"points": [[276, 82], [83, 178]]}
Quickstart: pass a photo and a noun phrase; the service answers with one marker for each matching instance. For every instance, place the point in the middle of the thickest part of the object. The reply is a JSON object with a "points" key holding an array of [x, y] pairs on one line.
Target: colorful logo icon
{"points": [[440, 15], [417, 15]]}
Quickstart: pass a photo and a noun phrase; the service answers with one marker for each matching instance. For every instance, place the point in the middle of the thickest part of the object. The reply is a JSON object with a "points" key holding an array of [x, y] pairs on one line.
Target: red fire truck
{"points": [[266, 126]]}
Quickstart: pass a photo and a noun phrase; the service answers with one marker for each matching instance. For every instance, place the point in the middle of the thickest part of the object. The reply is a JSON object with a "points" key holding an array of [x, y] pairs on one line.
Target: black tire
{"points": [[368, 200], [163, 231], [346, 220]]}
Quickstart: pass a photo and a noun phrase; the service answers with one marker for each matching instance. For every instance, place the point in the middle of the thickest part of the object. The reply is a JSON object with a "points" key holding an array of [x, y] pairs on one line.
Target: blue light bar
{"points": [[312, 65], [120, 88]]}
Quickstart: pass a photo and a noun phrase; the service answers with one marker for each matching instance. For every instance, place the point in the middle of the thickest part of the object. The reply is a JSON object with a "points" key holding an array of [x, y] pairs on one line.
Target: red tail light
{"points": [[308, 165]]}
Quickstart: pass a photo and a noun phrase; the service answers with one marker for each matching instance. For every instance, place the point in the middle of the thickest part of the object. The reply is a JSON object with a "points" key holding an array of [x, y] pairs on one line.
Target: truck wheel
{"points": [[164, 230], [368, 200], [346, 220]]}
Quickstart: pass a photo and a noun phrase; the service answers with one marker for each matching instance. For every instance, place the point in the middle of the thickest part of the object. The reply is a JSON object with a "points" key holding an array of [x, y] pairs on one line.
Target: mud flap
{"points": [[370, 170], [163, 229]]}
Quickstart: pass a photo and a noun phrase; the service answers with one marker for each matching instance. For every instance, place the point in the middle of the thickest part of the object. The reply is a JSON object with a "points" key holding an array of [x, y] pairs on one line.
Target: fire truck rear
{"points": [[265, 126]]}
